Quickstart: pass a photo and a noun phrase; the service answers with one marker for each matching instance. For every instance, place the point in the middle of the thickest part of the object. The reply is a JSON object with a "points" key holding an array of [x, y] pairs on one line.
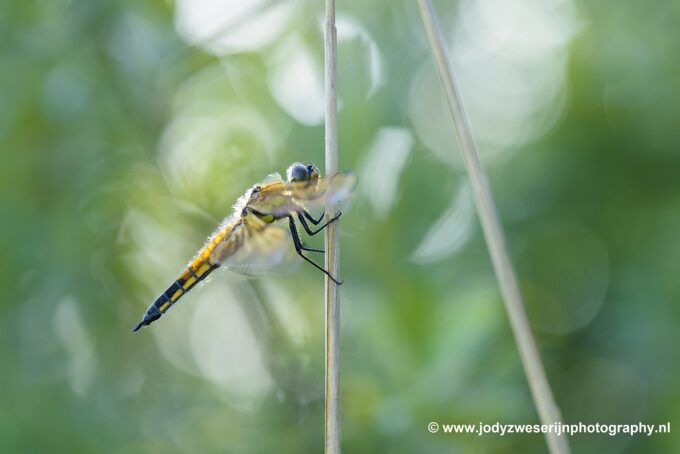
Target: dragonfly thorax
{"points": [[249, 214]]}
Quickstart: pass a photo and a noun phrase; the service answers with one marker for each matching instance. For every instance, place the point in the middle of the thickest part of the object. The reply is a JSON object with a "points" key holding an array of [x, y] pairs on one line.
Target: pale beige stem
{"points": [[332, 243]]}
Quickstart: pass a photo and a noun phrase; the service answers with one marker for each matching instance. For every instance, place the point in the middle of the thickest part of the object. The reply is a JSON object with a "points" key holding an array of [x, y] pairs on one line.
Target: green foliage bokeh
{"points": [[123, 144]]}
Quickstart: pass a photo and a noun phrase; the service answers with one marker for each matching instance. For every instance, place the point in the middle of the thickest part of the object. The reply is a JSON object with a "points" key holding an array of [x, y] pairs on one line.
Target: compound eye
{"points": [[313, 171], [314, 174], [298, 172]]}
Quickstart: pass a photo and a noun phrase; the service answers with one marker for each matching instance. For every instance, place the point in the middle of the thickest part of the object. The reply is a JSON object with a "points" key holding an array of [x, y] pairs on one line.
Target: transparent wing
{"points": [[272, 178], [330, 190], [265, 252], [286, 198], [333, 189]]}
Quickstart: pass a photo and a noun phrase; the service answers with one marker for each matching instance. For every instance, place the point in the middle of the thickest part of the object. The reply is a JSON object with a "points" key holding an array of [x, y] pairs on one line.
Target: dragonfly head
{"points": [[301, 173]]}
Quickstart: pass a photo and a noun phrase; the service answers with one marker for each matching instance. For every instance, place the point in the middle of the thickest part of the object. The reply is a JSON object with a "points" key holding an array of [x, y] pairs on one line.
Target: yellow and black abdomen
{"points": [[194, 273], [222, 243]]}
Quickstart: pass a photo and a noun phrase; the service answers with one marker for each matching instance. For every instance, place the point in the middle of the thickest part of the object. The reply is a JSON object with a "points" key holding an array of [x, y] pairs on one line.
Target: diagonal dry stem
{"points": [[493, 233]]}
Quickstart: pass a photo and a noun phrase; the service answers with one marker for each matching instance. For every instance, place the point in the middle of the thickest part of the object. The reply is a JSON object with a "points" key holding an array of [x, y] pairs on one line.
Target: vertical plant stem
{"points": [[332, 243], [533, 367]]}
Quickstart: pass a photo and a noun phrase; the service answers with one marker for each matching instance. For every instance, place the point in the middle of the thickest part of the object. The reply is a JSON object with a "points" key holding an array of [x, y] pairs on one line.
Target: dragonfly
{"points": [[253, 240]]}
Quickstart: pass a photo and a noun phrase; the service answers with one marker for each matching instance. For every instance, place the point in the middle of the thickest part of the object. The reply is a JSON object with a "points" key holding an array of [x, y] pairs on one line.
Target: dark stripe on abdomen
{"points": [[176, 290]]}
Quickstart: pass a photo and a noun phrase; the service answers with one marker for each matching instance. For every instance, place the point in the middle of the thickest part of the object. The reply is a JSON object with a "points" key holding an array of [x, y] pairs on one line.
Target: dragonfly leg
{"points": [[299, 248], [302, 246], [311, 218], [311, 249], [309, 230]]}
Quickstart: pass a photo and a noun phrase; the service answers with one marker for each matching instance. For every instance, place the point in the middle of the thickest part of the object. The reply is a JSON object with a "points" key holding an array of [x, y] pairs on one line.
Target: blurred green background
{"points": [[127, 130]]}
